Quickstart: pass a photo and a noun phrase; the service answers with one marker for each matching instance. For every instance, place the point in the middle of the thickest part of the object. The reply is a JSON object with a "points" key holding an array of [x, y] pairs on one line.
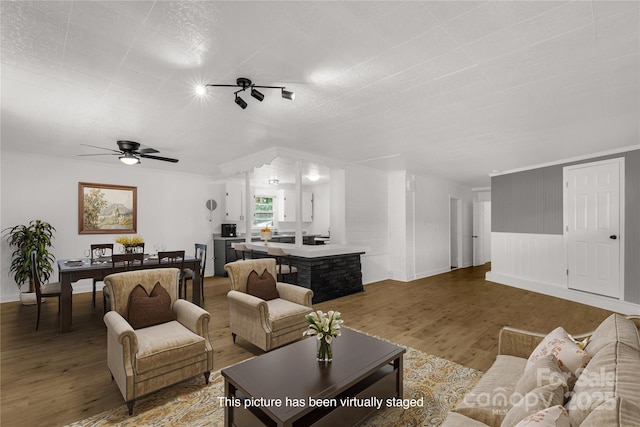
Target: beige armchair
{"points": [[267, 324], [144, 360]]}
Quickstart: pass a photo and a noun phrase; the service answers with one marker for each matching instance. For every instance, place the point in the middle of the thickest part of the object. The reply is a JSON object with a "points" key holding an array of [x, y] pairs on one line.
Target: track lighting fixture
{"points": [[244, 83]]}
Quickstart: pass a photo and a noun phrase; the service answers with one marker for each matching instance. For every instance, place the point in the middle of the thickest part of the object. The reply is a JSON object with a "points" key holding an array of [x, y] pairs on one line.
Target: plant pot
{"points": [[28, 298]]}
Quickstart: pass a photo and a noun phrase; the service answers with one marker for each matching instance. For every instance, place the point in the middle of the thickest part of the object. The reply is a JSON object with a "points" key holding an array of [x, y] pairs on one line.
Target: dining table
{"points": [[72, 270]]}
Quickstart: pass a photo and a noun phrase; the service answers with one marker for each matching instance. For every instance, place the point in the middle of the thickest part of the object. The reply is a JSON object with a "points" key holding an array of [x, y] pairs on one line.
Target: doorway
{"points": [[593, 224], [455, 233], [481, 233]]}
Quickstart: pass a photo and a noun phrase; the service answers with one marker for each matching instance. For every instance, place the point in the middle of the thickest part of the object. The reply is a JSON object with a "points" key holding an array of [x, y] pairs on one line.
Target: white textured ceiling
{"points": [[452, 89]]}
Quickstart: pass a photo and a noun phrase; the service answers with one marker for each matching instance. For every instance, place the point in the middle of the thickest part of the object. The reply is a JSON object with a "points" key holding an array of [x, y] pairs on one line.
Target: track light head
{"points": [[257, 95], [288, 94], [241, 102]]}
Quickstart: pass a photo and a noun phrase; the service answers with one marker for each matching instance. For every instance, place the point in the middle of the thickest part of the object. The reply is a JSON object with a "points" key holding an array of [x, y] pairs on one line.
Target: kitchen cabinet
{"points": [[234, 201], [287, 206], [307, 206], [224, 253]]}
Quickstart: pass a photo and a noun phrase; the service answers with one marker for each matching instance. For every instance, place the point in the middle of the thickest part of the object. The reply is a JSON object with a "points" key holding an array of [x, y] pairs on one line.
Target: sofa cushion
{"points": [[146, 310], [556, 416], [177, 343], [263, 286], [614, 328], [490, 400], [613, 372], [545, 371], [458, 420], [614, 412], [570, 357], [537, 399]]}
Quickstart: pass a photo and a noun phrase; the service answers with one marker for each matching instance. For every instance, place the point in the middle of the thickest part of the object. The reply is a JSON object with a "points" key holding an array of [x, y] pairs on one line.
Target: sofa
{"points": [[592, 380]]}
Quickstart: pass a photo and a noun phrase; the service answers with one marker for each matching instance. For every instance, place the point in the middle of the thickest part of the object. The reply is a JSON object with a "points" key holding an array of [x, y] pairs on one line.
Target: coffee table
{"points": [[289, 387]]}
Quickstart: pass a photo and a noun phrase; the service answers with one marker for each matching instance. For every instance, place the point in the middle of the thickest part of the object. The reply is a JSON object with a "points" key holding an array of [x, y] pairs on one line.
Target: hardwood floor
{"points": [[51, 379]]}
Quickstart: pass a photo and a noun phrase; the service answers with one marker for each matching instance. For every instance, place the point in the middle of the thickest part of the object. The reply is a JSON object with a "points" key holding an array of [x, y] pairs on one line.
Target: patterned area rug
{"points": [[441, 384]]}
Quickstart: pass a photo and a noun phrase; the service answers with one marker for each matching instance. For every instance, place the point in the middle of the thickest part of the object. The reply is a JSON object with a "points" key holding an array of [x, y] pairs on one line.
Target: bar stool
{"points": [[241, 251], [283, 264]]}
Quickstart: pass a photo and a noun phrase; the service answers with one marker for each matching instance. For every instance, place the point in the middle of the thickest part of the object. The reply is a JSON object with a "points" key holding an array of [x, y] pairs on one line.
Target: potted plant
{"points": [[37, 235]]}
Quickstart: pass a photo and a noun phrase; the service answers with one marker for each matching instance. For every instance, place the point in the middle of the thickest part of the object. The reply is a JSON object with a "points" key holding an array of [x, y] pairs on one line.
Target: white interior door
{"points": [[478, 233], [592, 227]]}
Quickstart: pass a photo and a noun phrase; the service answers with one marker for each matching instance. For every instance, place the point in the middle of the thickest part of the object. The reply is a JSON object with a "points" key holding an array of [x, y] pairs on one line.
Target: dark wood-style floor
{"points": [[51, 379]]}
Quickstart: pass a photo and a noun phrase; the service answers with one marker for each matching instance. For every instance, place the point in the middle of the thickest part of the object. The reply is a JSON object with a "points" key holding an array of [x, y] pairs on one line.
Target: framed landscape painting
{"points": [[106, 209]]}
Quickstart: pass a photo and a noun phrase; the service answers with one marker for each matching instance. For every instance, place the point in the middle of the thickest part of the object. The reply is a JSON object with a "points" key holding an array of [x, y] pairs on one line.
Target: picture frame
{"points": [[107, 209]]}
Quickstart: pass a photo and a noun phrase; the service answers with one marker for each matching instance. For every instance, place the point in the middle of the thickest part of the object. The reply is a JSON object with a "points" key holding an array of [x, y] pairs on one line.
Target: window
{"points": [[264, 212]]}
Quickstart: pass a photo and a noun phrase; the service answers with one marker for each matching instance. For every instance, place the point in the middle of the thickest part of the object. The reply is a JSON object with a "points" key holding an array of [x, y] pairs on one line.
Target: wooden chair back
{"points": [[101, 250], [129, 261]]}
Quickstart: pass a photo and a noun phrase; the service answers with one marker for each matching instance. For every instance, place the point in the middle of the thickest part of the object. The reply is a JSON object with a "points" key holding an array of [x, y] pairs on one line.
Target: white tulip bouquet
{"points": [[325, 327]]}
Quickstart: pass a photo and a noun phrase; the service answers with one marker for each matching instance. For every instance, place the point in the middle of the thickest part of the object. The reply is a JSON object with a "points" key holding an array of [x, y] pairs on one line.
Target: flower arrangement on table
{"points": [[265, 234], [325, 327], [129, 242]]}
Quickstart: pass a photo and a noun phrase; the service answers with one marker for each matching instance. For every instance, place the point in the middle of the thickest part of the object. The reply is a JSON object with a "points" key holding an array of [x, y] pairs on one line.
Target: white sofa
{"points": [[530, 385]]}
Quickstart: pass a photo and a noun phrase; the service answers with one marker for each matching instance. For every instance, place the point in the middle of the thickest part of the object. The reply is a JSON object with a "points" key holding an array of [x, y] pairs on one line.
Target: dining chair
{"points": [[201, 254], [283, 264], [241, 250], [47, 290], [126, 261], [99, 252], [173, 259]]}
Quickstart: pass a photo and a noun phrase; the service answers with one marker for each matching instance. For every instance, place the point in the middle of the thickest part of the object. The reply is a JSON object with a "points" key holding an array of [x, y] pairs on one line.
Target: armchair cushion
{"points": [[284, 314], [147, 310], [263, 286], [164, 344]]}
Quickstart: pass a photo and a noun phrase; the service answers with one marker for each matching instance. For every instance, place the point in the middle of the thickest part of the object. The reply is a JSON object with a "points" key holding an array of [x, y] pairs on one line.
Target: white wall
{"points": [[419, 228], [366, 219], [171, 207]]}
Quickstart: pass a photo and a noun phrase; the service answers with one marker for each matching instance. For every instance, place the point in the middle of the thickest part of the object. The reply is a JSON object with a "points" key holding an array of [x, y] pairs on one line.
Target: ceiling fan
{"points": [[130, 153]]}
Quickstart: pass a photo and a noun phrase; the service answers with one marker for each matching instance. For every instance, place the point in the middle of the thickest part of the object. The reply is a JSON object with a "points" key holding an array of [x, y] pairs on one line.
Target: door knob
{"points": [[613, 237]]}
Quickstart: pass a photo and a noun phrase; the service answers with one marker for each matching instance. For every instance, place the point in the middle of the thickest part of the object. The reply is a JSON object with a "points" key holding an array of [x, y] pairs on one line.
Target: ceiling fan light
{"points": [[241, 102], [257, 95], [129, 159], [201, 90], [288, 94]]}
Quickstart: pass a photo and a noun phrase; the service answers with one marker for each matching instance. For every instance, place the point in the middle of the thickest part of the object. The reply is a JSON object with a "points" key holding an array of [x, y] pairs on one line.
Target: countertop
{"points": [[309, 251]]}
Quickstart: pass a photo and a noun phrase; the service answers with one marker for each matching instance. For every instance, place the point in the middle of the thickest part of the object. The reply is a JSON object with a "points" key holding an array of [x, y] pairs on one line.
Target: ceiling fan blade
{"points": [[99, 154], [164, 159], [102, 148], [147, 150]]}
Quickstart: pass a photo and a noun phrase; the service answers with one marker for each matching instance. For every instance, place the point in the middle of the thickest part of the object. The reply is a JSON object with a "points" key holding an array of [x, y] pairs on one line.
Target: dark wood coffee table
{"points": [[310, 392]]}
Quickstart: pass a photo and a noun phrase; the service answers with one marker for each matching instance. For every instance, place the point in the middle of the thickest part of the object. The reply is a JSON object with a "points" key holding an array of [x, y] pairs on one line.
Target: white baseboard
{"points": [[603, 302]]}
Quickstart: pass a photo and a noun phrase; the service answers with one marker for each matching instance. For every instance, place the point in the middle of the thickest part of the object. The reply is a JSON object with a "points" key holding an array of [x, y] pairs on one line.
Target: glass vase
{"points": [[325, 352]]}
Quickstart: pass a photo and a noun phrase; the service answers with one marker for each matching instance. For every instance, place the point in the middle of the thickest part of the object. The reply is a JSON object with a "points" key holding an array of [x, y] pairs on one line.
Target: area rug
{"points": [[440, 383]]}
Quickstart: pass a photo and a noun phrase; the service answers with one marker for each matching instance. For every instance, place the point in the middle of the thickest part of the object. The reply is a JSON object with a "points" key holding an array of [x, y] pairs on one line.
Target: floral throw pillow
{"points": [[571, 358], [556, 416]]}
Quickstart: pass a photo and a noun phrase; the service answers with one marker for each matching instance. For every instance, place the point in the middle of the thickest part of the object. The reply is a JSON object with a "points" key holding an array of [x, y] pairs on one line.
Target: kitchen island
{"points": [[330, 271]]}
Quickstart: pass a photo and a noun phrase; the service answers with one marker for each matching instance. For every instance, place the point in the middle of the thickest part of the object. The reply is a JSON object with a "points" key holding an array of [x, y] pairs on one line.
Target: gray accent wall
{"points": [[531, 202]]}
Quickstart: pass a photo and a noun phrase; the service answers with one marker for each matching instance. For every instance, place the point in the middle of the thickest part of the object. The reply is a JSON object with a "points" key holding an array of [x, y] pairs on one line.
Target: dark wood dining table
{"points": [[73, 270]]}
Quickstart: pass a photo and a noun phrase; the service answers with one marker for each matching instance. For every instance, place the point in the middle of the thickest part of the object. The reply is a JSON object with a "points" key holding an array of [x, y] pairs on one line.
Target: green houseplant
{"points": [[37, 235]]}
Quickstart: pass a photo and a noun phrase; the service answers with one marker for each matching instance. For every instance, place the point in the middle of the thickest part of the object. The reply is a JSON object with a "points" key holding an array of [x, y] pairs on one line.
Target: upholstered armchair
{"points": [[266, 324], [149, 358]]}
